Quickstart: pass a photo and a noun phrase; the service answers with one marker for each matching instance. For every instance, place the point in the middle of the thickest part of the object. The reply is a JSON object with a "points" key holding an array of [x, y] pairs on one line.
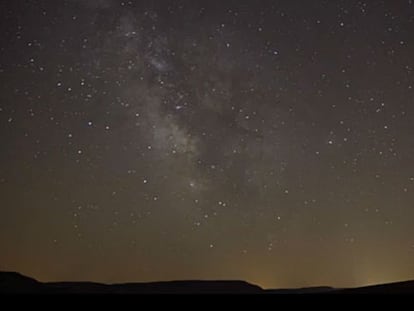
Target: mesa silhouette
{"points": [[16, 283]]}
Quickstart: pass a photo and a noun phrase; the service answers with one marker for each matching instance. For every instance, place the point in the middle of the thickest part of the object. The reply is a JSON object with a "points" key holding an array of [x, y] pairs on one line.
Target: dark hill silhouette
{"points": [[406, 287], [11, 282], [305, 290], [15, 283]]}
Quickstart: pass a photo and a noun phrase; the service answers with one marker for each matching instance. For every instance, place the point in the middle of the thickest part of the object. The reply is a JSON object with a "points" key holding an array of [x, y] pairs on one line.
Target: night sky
{"points": [[267, 141]]}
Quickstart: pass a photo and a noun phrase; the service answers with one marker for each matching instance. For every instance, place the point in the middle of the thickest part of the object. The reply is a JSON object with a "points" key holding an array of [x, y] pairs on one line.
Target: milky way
{"points": [[269, 141]]}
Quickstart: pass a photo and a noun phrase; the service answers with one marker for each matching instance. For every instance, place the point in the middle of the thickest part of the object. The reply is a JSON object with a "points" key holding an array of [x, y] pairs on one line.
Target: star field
{"points": [[267, 141]]}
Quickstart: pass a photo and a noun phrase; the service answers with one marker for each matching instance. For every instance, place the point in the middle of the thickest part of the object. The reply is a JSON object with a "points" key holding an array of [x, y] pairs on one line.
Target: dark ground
{"points": [[15, 283]]}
